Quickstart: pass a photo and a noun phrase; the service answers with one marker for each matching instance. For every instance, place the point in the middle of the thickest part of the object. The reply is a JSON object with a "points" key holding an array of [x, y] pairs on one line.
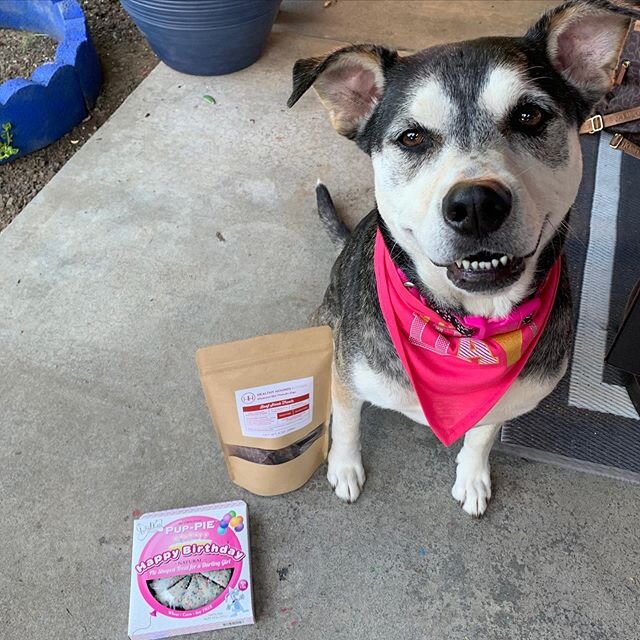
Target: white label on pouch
{"points": [[275, 410]]}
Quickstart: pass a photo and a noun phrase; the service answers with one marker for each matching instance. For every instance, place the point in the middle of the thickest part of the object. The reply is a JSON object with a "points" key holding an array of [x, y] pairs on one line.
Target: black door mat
{"points": [[589, 421]]}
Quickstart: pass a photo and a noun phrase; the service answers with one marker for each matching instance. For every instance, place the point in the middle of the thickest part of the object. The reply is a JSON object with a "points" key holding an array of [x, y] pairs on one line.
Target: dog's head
{"points": [[475, 144]]}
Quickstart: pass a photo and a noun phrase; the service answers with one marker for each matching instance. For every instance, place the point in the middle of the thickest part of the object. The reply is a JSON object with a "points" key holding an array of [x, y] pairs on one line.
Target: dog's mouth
{"points": [[485, 271]]}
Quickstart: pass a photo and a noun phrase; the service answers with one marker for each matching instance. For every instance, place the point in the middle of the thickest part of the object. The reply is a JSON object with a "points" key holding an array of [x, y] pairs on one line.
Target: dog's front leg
{"points": [[472, 488], [345, 473]]}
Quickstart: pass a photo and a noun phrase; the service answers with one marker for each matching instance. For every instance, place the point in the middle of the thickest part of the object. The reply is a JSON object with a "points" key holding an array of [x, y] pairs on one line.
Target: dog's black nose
{"points": [[476, 208]]}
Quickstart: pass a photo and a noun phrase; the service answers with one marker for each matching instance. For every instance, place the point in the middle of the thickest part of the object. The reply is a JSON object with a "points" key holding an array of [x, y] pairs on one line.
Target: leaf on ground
{"points": [[209, 99]]}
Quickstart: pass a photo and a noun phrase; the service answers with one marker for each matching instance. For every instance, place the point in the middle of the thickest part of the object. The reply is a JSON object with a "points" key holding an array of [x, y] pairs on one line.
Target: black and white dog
{"points": [[477, 163]]}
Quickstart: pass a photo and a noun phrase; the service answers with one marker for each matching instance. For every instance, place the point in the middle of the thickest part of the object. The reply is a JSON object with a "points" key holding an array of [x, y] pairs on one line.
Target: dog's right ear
{"points": [[349, 82]]}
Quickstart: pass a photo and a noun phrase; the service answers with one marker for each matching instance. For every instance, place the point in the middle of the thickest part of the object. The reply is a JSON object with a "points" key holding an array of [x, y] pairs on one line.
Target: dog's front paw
{"points": [[472, 488], [346, 475]]}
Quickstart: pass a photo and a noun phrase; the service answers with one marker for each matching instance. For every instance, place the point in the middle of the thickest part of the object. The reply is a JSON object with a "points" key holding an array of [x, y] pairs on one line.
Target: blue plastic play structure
{"points": [[59, 94]]}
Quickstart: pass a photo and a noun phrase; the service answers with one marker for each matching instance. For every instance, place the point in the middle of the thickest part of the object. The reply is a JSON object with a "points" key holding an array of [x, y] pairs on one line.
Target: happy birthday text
{"points": [[189, 550]]}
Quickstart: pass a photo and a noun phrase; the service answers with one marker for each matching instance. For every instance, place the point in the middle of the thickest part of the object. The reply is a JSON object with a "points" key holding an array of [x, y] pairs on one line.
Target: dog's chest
{"points": [[383, 391]]}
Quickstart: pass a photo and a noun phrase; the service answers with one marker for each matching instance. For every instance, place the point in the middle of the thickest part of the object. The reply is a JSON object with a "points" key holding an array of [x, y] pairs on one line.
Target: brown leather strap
{"points": [[598, 123], [623, 67], [620, 142]]}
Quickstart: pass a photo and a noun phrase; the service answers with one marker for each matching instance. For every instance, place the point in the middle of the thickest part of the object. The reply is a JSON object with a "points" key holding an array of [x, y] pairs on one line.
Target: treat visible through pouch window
{"points": [[270, 402]]}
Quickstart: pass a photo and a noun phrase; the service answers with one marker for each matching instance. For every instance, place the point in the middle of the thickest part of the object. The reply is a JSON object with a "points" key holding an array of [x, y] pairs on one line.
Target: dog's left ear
{"points": [[582, 40], [349, 82]]}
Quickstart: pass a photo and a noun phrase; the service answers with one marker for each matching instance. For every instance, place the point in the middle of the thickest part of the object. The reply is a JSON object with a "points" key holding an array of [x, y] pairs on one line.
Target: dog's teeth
{"points": [[504, 260], [495, 263], [466, 264], [484, 265], [474, 265], [459, 264]]}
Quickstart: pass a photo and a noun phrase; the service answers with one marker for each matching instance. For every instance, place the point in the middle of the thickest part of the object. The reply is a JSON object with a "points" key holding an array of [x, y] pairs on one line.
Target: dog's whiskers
{"points": [[566, 225], [521, 173]]}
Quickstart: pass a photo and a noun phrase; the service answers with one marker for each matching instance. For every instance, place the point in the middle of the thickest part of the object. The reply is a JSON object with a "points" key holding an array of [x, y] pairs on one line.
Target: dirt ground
{"points": [[126, 61], [22, 52]]}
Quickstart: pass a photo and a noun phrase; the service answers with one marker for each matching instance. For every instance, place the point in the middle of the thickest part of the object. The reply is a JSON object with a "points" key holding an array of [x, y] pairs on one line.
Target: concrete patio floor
{"points": [[181, 224]]}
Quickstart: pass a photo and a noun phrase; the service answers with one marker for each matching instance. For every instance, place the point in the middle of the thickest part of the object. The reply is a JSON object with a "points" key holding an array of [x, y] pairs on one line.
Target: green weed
{"points": [[6, 138]]}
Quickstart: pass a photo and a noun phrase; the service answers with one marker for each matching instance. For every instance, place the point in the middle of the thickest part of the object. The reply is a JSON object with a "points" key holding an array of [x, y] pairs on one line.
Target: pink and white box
{"points": [[190, 571]]}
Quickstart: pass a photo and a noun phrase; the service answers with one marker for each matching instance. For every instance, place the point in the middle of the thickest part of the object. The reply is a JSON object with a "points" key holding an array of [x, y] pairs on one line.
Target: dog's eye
{"points": [[528, 117], [411, 138]]}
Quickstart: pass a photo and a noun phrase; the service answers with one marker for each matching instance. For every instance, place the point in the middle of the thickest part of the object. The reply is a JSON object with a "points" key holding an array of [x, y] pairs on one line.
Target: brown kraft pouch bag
{"points": [[270, 402]]}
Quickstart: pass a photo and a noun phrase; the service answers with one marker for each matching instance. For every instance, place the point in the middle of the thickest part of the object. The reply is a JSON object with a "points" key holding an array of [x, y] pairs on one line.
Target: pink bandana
{"points": [[458, 378]]}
